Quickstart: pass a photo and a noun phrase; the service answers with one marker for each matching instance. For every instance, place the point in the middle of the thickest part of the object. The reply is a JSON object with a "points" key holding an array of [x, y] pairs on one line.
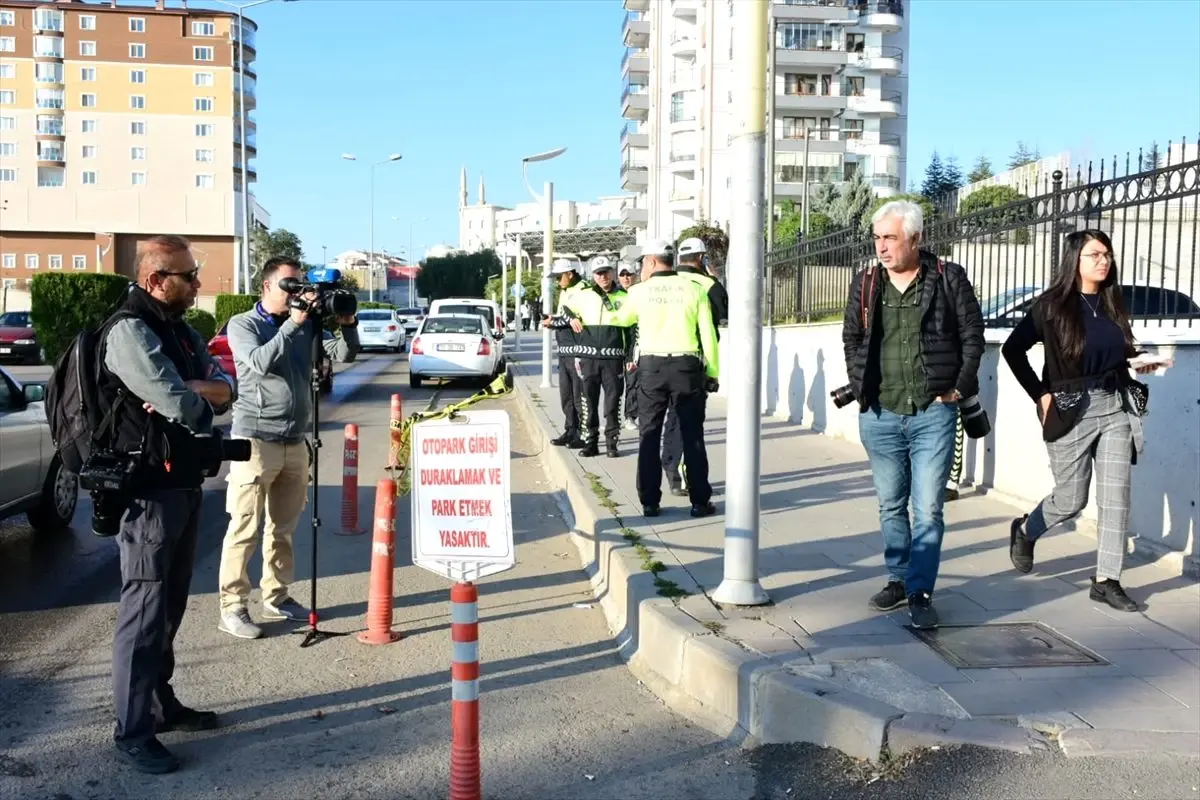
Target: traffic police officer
{"points": [[567, 325], [602, 353], [627, 276], [677, 365]]}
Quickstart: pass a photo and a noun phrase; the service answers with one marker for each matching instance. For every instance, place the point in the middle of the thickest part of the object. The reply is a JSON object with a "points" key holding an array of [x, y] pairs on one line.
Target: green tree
{"points": [[852, 200], [822, 200], [954, 176], [981, 171], [941, 177], [1022, 156], [789, 224], [1151, 158], [271, 244], [457, 275], [1006, 205], [349, 282], [716, 241], [531, 281]]}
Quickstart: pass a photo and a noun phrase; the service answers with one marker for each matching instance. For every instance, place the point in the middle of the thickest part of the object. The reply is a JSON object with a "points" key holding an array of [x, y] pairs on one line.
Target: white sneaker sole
{"points": [[221, 627]]}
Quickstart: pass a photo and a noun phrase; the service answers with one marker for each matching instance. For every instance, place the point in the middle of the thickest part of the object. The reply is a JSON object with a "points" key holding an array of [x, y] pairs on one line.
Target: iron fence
{"points": [[1011, 250]]}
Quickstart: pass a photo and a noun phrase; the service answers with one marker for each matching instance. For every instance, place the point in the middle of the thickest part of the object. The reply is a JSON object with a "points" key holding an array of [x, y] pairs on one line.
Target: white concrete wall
{"points": [[803, 364]]}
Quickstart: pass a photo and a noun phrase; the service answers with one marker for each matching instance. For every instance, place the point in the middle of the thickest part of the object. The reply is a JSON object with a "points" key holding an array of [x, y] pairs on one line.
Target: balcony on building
{"points": [[878, 104], [637, 5], [635, 217], [635, 170], [790, 132], [886, 16], [49, 73], [872, 143], [47, 46], [635, 101], [684, 77], [51, 153], [823, 105], [683, 44], [48, 20], [685, 9], [683, 111], [838, 12], [237, 168], [251, 141], [635, 30], [798, 45], [50, 126], [884, 60], [630, 137], [635, 64], [249, 33], [683, 153]]}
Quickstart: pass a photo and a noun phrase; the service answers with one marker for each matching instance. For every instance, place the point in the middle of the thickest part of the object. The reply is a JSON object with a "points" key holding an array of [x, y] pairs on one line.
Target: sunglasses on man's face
{"points": [[189, 277]]}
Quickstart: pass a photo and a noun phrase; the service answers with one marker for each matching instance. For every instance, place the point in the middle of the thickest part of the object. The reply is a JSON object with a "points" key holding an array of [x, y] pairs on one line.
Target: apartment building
{"points": [[119, 122], [838, 75], [485, 225]]}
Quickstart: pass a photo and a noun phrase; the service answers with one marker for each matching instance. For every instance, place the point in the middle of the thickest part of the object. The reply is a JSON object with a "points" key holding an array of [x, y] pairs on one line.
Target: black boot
{"points": [[613, 452], [1020, 548], [590, 448], [560, 441]]}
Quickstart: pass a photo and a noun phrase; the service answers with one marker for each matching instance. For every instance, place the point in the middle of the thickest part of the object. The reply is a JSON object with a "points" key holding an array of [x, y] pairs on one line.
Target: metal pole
{"points": [[411, 300], [237, 283], [520, 295], [371, 255], [770, 171], [743, 346], [804, 180], [504, 295], [547, 300]]}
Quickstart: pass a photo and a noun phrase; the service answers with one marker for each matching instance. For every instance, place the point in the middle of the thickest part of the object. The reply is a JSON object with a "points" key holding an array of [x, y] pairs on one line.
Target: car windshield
{"points": [[483, 311], [14, 319], [469, 325], [374, 314], [410, 312]]}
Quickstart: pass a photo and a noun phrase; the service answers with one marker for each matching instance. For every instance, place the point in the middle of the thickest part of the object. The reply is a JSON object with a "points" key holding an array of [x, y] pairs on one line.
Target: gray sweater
{"points": [[274, 375]]}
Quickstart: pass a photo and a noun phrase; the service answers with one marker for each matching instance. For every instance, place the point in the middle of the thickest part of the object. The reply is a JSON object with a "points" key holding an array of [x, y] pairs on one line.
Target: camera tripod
{"points": [[313, 634]]}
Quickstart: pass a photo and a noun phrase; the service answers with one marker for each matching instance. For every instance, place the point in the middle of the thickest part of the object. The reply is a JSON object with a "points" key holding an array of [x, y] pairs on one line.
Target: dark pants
{"points": [[608, 375], [672, 448], [570, 393], [157, 544], [676, 383], [631, 393]]}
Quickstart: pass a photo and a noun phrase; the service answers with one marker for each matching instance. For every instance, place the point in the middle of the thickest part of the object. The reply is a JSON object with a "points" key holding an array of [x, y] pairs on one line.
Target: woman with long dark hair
{"points": [[1084, 328]]}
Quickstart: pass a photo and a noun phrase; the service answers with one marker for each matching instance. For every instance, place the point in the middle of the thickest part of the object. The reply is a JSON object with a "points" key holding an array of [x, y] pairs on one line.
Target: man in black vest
{"points": [[166, 388]]}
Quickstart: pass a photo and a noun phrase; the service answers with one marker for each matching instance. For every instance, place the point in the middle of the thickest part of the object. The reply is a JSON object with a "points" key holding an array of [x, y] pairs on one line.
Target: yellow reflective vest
{"points": [[673, 318]]}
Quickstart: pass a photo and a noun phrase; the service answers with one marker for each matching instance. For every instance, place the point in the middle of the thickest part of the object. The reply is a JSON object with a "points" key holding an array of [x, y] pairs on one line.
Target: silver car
{"points": [[32, 478]]}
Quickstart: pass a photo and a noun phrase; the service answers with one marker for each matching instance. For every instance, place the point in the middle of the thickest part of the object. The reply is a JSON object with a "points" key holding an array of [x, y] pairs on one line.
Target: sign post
{"points": [[462, 530]]}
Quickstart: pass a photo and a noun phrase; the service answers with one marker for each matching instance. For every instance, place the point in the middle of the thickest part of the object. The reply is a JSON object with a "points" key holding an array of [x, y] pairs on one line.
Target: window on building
{"points": [[204, 79], [683, 106], [48, 73], [137, 101], [854, 87], [8, 149], [8, 44], [203, 28], [48, 98], [9, 260], [204, 155], [799, 83], [7, 17], [204, 129], [79, 262], [137, 128], [51, 177], [809, 36], [55, 262], [88, 178], [8, 123], [87, 126], [205, 181], [8, 72], [31, 261], [87, 48], [137, 153], [138, 178], [204, 104], [202, 53], [87, 74], [8, 97], [48, 19], [137, 25], [87, 22], [137, 50], [8, 176], [852, 128], [87, 100], [88, 151], [49, 125], [137, 76]]}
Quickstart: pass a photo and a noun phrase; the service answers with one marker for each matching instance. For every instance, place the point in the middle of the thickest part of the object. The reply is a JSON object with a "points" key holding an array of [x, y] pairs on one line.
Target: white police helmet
{"points": [[600, 263], [561, 266], [692, 247]]}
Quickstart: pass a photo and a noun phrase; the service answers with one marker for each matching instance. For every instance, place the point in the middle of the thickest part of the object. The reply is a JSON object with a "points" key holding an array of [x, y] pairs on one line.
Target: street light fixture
{"points": [[548, 249], [412, 294], [241, 37], [371, 255]]}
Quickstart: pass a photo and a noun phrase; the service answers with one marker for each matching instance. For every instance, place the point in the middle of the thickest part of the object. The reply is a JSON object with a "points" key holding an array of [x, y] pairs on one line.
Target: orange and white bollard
{"points": [[397, 418], [383, 549], [464, 693], [350, 484]]}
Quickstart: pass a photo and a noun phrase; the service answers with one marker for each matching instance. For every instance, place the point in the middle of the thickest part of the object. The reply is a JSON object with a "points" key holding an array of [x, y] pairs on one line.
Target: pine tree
{"points": [[1151, 158], [935, 177], [981, 171], [820, 201], [852, 201], [1023, 156], [954, 176]]}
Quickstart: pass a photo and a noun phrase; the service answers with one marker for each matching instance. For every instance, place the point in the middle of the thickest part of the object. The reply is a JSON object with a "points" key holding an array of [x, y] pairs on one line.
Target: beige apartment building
{"points": [[119, 122]]}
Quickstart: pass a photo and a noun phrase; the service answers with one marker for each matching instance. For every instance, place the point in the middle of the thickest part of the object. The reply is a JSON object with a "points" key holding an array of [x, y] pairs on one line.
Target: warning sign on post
{"points": [[461, 495]]}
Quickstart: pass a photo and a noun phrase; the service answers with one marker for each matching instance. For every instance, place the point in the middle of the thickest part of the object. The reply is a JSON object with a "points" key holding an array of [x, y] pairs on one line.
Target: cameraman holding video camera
{"points": [[160, 390], [272, 349]]}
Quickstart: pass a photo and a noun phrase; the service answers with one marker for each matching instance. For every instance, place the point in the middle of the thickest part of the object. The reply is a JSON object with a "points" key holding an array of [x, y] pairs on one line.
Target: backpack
{"points": [[74, 407]]}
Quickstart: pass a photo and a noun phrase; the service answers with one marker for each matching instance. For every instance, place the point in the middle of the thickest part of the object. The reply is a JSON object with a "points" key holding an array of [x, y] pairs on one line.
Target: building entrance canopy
{"points": [[583, 242]]}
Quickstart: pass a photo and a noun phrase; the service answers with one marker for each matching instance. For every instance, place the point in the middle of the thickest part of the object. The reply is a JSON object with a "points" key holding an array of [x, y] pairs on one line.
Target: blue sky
{"points": [[481, 83]]}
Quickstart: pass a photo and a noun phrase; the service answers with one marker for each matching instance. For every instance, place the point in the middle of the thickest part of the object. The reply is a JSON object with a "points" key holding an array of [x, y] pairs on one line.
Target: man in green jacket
{"points": [[602, 352], [568, 327], [677, 365]]}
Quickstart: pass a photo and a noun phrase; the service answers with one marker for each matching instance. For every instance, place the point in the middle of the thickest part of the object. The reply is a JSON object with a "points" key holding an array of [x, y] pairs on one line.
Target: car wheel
{"points": [[399, 348], [414, 381], [60, 494]]}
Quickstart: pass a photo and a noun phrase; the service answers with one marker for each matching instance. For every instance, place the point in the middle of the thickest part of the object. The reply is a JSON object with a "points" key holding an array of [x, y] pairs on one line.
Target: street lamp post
{"points": [[547, 252], [412, 293], [371, 255], [241, 36]]}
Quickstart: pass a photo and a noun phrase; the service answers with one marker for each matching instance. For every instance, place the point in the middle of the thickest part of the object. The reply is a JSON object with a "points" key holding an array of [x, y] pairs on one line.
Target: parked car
{"points": [[33, 480], [488, 309], [411, 319], [218, 348], [18, 340], [379, 328], [1142, 303], [454, 346]]}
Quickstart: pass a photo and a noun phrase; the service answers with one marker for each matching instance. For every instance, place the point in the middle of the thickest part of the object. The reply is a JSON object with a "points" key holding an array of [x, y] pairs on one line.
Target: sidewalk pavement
{"points": [[817, 666]]}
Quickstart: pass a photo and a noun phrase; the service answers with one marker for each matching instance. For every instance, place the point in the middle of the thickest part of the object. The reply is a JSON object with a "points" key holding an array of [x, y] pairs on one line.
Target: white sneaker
{"points": [[236, 622], [287, 608]]}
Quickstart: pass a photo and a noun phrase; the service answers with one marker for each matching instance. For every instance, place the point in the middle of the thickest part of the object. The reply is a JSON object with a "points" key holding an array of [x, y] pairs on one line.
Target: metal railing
{"points": [[1010, 241], [879, 7]]}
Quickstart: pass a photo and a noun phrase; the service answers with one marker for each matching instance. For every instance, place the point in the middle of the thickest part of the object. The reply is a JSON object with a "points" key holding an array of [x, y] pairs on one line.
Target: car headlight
{"points": [[25, 341]]}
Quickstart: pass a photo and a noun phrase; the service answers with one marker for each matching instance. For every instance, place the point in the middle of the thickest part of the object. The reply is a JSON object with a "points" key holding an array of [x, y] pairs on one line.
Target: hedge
{"points": [[228, 305], [369, 304], [61, 306], [204, 322]]}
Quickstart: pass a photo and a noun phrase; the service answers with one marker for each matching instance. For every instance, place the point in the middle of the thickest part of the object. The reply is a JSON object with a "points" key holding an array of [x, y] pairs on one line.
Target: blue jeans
{"points": [[911, 457]]}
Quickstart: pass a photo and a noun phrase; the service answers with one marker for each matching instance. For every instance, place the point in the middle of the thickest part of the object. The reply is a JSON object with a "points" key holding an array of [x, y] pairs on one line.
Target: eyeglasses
{"points": [[1097, 255], [190, 276]]}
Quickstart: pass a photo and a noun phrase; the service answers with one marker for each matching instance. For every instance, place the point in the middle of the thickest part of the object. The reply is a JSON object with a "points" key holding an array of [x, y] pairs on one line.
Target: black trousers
{"points": [[157, 544], [609, 375], [631, 393], [570, 393], [677, 383]]}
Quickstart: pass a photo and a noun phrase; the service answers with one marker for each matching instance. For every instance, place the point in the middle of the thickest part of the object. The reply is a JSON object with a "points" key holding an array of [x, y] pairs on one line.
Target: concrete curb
{"points": [[758, 688]]}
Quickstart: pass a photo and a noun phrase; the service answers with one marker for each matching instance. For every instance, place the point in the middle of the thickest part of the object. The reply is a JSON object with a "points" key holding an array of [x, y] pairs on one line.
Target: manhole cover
{"points": [[1006, 644]]}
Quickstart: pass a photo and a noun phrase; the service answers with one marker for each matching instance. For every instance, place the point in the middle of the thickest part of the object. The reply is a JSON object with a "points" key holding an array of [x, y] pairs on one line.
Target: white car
{"points": [[488, 309], [410, 318], [454, 346], [32, 478], [378, 329]]}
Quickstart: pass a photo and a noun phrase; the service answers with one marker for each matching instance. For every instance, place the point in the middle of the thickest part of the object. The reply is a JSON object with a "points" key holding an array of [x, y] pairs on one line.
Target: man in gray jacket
{"points": [[272, 350]]}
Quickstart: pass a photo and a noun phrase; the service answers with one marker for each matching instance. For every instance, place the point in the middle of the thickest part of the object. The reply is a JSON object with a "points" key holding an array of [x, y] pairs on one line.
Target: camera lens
{"points": [[107, 510], [341, 304], [974, 417], [842, 396]]}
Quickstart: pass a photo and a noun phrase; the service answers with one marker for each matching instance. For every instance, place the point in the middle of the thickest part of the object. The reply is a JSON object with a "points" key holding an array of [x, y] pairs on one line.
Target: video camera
{"points": [[109, 476], [331, 300]]}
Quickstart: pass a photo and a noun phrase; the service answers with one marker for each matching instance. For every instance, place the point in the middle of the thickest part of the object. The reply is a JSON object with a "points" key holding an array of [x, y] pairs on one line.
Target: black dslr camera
{"points": [[974, 417], [843, 396], [109, 476], [330, 301]]}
